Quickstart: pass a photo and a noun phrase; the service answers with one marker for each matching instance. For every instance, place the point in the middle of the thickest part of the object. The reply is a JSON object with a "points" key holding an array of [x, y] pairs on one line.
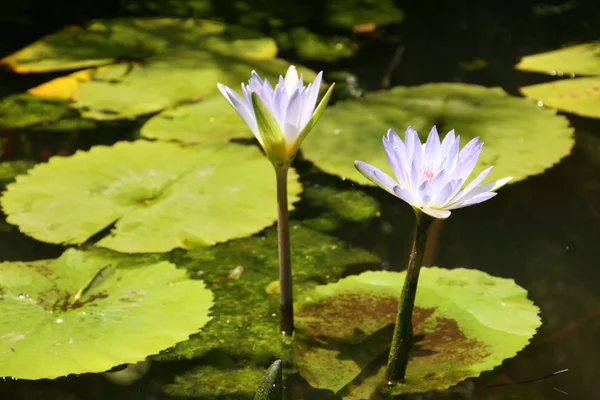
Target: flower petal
{"points": [[481, 197], [435, 212], [291, 79], [241, 106], [376, 176], [407, 196]]}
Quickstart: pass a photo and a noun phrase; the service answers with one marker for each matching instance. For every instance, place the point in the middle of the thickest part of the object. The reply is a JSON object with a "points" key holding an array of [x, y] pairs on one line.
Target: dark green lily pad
{"points": [[347, 14], [312, 46], [158, 195], [149, 64], [91, 311], [246, 317], [102, 42], [23, 110], [469, 322], [210, 382], [521, 139]]}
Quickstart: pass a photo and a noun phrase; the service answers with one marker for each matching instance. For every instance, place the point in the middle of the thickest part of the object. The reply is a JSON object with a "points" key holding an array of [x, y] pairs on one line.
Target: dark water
{"points": [[543, 232]]}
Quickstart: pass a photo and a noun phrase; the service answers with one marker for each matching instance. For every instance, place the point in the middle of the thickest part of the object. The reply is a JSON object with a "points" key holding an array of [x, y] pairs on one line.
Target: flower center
{"points": [[428, 175]]}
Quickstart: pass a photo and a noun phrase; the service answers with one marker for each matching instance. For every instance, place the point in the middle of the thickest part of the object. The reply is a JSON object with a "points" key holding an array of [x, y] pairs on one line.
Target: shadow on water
{"points": [[543, 232]]}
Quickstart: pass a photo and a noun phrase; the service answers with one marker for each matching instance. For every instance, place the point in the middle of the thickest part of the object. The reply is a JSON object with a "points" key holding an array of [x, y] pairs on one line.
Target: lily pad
{"points": [[583, 59], [91, 311], [466, 322], [158, 195], [246, 316], [23, 110], [347, 14], [103, 42], [147, 64], [132, 89], [520, 138], [210, 120], [579, 96], [312, 46]]}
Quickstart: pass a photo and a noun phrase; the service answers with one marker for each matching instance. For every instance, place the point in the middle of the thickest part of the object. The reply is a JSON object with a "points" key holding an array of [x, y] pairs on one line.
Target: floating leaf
{"points": [[312, 46], [348, 13], [129, 90], [103, 42], [23, 110], [520, 138], [62, 88], [93, 311], [147, 64], [246, 317], [159, 195], [210, 120], [210, 382], [469, 322], [578, 96], [582, 59]]}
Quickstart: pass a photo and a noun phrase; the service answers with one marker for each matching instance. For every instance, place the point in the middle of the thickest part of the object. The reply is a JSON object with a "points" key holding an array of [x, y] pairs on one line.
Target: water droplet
{"points": [[21, 296], [560, 73], [572, 75], [337, 131], [343, 178], [59, 321], [540, 103], [552, 72]]}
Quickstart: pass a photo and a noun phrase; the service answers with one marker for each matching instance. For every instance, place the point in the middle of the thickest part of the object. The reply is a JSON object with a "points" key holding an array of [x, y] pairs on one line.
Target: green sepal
{"points": [[271, 134]]}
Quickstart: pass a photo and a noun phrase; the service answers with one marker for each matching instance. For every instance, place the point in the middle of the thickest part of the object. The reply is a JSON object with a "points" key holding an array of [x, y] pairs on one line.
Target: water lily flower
{"points": [[279, 117], [430, 176]]}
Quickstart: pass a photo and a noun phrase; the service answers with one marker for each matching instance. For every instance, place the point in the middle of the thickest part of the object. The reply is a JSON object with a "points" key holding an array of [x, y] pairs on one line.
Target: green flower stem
{"points": [[402, 340], [286, 296]]}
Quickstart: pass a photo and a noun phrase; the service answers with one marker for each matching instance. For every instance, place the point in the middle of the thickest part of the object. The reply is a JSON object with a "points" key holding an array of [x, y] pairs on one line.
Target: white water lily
{"points": [[430, 176], [279, 117]]}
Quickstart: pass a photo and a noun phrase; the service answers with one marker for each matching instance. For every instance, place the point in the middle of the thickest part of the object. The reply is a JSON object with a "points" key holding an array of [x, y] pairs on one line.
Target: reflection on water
{"points": [[544, 232]]}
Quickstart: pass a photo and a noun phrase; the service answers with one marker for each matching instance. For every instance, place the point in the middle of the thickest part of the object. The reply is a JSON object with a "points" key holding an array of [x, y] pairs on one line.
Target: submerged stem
{"points": [[286, 296], [402, 341]]}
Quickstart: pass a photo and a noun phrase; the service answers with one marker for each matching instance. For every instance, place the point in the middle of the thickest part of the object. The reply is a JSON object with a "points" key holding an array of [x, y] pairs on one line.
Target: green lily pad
{"points": [[246, 317], [466, 322], [210, 120], [93, 311], [103, 42], [210, 382], [312, 46], [521, 139], [10, 169], [579, 96], [581, 59], [346, 14], [148, 64], [23, 110], [158, 195], [129, 90]]}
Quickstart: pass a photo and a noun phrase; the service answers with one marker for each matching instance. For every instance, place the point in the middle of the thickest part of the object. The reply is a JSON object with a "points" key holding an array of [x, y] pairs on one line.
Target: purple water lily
{"points": [[279, 117], [430, 176]]}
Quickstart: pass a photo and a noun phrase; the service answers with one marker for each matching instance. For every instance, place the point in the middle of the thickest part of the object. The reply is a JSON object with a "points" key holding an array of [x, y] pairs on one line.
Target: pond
{"points": [[139, 241]]}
